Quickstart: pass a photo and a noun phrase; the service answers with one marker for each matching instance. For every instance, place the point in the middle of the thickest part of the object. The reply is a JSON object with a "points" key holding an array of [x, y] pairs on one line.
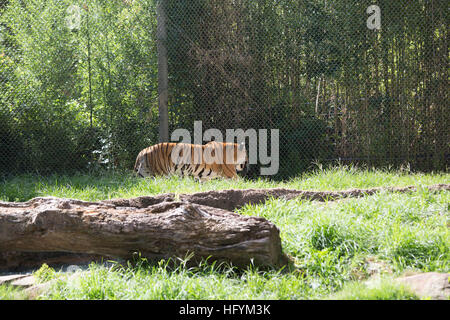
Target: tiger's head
{"points": [[242, 165], [140, 167]]}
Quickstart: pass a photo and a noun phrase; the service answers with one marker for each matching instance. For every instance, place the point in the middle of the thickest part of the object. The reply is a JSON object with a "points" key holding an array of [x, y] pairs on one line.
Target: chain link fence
{"points": [[356, 81]]}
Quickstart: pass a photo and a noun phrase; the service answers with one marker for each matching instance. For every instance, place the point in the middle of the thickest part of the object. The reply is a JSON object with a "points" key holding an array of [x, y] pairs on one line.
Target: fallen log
{"points": [[156, 227]]}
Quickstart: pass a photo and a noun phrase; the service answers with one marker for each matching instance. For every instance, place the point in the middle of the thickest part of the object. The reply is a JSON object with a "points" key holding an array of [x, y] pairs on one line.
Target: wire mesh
{"points": [[355, 81]]}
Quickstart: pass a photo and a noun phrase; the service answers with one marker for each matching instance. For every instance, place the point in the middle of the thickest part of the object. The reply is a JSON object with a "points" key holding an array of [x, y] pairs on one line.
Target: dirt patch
{"points": [[235, 199]]}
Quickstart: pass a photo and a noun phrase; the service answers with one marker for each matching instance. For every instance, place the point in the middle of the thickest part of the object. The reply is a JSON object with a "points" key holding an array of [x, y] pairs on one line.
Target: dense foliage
{"points": [[78, 79], [76, 93]]}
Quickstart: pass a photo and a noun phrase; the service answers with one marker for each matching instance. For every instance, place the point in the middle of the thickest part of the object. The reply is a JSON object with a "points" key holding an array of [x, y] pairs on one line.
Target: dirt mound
{"points": [[234, 199]]}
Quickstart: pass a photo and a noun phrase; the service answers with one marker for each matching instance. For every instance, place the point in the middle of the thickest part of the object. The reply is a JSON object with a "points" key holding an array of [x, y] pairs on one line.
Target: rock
{"points": [[33, 292], [24, 281], [157, 228], [12, 277], [36, 290], [428, 285]]}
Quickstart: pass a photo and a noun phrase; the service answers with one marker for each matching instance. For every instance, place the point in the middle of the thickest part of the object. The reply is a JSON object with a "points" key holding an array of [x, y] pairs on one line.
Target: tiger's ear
{"points": [[241, 146]]}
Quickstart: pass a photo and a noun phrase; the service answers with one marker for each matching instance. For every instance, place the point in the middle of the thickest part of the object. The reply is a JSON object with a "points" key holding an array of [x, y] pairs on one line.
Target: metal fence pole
{"points": [[162, 72]]}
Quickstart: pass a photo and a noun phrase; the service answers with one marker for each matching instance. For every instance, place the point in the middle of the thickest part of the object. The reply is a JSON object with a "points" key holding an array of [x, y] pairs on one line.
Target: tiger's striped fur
{"points": [[204, 162]]}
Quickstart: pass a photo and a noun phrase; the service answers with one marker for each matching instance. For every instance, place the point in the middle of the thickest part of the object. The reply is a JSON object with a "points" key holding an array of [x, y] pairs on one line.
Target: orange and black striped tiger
{"points": [[204, 162]]}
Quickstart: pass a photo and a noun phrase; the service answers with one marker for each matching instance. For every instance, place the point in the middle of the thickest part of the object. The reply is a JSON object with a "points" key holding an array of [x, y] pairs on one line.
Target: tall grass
{"points": [[8, 292], [168, 282]]}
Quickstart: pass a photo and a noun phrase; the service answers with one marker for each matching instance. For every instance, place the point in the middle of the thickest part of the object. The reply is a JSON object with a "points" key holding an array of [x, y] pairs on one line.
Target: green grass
{"points": [[335, 245], [383, 289], [8, 292], [162, 281], [125, 185]]}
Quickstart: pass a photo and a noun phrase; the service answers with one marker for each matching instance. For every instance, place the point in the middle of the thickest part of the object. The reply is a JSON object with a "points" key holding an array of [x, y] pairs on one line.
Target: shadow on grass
{"points": [[24, 187], [205, 267]]}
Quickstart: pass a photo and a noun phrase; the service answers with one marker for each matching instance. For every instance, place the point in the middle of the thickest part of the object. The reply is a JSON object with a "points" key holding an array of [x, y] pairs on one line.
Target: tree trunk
{"points": [[163, 73]]}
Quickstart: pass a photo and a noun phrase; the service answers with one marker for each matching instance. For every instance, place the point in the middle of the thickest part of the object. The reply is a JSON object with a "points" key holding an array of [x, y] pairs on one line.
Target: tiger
{"points": [[203, 162]]}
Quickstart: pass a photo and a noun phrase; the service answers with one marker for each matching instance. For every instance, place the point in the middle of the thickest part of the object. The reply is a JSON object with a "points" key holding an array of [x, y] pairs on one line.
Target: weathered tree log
{"points": [[157, 227]]}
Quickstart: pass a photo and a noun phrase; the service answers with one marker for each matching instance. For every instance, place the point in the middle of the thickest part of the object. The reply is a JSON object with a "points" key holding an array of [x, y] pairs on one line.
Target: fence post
{"points": [[161, 34]]}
